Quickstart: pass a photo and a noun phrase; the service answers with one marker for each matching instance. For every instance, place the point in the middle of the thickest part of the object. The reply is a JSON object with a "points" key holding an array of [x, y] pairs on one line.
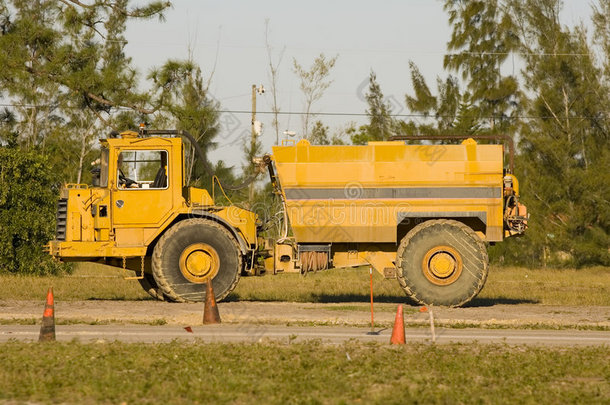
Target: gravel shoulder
{"points": [[352, 314]]}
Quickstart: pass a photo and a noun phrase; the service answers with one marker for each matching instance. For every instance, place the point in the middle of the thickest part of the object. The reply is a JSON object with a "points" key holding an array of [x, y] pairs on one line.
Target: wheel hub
{"points": [[442, 265], [199, 262]]}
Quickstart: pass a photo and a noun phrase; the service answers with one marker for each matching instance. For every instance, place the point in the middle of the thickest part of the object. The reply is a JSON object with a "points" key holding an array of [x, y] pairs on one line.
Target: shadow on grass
{"points": [[386, 299], [342, 298], [490, 302], [325, 299], [120, 299]]}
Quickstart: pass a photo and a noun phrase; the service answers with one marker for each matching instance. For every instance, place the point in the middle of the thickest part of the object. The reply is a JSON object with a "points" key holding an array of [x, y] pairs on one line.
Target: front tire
{"points": [[191, 252], [442, 262]]}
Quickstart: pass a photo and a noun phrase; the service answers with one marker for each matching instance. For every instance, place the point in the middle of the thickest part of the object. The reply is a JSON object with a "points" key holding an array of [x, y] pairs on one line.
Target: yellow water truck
{"points": [[420, 213]]}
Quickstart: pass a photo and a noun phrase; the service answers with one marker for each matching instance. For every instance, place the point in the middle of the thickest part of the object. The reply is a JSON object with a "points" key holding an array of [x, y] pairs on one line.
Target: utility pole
{"points": [[252, 140], [256, 128]]}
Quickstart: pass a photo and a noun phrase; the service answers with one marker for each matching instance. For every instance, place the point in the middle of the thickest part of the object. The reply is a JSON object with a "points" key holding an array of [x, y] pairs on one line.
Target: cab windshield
{"points": [[142, 169], [104, 168]]}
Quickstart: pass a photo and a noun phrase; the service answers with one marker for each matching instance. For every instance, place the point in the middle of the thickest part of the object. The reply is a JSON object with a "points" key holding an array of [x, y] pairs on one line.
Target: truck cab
{"points": [[139, 195]]}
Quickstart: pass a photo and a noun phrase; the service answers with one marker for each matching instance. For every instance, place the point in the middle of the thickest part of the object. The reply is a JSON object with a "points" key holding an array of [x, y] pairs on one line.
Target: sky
{"points": [[227, 38]]}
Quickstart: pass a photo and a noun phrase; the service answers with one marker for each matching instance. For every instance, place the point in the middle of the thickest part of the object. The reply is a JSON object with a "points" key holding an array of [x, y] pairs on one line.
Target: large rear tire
{"points": [[442, 262], [191, 252], [149, 285]]}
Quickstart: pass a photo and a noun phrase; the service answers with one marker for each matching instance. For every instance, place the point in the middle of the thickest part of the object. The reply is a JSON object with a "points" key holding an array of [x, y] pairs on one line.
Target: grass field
{"points": [[582, 287], [311, 372], [301, 373]]}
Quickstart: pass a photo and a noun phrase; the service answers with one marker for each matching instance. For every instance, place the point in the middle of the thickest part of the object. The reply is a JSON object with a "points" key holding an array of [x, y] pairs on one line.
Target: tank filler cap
{"points": [[469, 141], [303, 142]]}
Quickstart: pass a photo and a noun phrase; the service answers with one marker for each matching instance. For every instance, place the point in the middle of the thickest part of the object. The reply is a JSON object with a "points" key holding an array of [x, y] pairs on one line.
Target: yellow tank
{"points": [[421, 209]]}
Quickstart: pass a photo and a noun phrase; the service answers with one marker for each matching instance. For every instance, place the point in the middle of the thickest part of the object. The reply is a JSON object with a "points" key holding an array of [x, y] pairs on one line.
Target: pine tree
{"points": [[184, 103], [565, 149], [483, 37], [381, 124], [444, 109], [64, 67]]}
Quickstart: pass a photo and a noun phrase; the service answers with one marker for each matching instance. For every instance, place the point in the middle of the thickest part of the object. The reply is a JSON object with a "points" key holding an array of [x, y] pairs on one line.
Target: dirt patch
{"points": [[502, 315]]}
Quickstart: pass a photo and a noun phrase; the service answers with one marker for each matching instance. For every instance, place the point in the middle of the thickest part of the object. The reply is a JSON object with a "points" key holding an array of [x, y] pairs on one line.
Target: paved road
{"points": [[329, 334], [510, 316]]}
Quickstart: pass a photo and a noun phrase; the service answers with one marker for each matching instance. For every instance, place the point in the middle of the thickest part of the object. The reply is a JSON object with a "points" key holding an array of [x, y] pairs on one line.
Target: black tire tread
{"points": [[149, 285], [427, 224], [162, 281]]}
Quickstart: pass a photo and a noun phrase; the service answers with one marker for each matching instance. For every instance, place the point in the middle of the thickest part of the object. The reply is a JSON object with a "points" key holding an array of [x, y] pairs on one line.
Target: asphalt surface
{"points": [[148, 312], [252, 333]]}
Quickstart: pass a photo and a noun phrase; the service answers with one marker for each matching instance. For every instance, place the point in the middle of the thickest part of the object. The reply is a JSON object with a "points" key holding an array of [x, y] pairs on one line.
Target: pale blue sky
{"points": [[382, 36]]}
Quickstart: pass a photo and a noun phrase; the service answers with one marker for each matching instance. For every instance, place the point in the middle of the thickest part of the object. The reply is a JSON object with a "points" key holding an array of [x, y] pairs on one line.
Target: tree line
{"points": [[68, 80]]}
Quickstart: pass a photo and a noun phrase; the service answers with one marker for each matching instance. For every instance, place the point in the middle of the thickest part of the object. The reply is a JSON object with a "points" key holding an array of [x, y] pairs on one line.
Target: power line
{"points": [[516, 53], [342, 114], [346, 114]]}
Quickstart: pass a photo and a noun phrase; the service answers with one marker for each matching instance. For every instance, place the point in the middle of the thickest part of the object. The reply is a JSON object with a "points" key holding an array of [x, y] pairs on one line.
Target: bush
{"points": [[28, 200]]}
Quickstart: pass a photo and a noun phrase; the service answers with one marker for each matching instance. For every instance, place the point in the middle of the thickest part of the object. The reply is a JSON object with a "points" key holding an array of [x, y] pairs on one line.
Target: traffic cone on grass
{"points": [[210, 311], [398, 332], [47, 330]]}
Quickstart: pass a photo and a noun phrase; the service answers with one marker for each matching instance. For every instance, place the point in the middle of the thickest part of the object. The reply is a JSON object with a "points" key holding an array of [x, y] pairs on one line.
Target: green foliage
{"points": [[320, 135], [448, 108], [565, 154], [601, 22], [181, 93], [27, 212], [381, 125], [65, 72], [559, 115], [483, 37]]}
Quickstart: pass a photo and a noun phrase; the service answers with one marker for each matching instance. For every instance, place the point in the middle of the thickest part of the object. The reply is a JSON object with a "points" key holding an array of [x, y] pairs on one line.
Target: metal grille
{"points": [[62, 215]]}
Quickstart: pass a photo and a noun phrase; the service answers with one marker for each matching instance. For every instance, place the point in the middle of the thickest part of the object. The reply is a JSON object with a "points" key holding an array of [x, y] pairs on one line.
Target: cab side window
{"points": [[142, 169]]}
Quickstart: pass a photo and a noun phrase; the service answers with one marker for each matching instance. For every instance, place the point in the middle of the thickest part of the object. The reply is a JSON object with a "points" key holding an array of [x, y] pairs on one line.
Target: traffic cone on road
{"points": [[210, 311], [47, 330], [398, 332]]}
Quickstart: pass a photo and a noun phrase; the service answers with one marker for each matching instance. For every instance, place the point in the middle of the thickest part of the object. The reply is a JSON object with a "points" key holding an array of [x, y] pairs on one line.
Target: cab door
{"points": [[141, 197]]}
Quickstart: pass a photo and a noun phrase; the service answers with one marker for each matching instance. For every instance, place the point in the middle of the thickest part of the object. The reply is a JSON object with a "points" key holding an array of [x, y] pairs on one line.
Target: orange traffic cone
{"points": [[210, 311], [398, 332], [47, 330]]}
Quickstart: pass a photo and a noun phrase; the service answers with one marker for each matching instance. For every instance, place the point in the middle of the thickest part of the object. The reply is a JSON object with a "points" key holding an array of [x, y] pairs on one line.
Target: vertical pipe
{"points": [[252, 141], [372, 319]]}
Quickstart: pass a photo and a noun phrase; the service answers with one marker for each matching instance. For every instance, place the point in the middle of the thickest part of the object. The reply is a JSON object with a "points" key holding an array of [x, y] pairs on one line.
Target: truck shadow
{"points": [[490, 302], [341, 298], [397, 299], [383, 299]]}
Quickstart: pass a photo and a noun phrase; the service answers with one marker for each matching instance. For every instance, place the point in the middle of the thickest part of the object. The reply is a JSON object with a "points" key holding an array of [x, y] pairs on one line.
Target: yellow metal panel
{"points": [[93, 249], [243, 220], [387, 165], [140, 207], [129, 236], [199, 197], [134, 236], [357, 193], [284, 259], [101, 222], [75, 225], [80, 220]]}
